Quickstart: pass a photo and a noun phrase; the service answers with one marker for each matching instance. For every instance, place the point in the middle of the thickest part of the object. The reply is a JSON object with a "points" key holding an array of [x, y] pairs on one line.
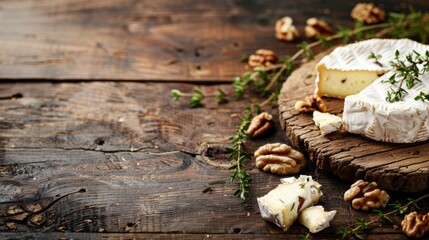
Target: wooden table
{"points": [[91, 144]]}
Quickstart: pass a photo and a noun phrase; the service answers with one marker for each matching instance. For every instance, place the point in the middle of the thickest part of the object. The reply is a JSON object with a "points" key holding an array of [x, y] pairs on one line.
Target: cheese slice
{"points": [[283, 204], [366, 112]]}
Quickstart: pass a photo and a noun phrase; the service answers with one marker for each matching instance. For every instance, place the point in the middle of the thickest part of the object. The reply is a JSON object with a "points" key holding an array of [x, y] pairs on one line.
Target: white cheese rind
{"points": [[283, 204], [351, 64], [367, 112], [315, 218]]}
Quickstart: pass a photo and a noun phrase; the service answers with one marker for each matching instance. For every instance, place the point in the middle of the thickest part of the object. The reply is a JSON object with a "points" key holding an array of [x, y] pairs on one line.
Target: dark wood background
{"points": [[116, 157]]}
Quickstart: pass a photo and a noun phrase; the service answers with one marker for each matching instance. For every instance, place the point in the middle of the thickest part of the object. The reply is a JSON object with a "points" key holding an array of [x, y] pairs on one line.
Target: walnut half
{"points": [[311, 104], [415, 225], [260, 124], [262, 58], [285, 30], [368, 13], [279, 158], [366, 196], [317, 27]]}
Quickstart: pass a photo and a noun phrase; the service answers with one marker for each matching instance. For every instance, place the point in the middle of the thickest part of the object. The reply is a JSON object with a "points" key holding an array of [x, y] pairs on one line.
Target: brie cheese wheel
{"points": [[366, 112], [283, 204], [315, 218], [327, 122]]}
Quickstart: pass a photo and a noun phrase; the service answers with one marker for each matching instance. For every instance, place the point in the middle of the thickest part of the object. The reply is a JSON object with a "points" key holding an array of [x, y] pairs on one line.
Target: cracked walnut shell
{"points": [[262, 58], [316, 27], [285, 30], [260, 124], [366, 196], [368, 13], [415, 225], [311, 104], [279, 158]]}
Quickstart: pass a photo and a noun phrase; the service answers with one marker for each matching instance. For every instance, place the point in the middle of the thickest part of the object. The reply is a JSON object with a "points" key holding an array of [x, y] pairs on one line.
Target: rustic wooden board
{"points": [[398, 167], [149, 40]]}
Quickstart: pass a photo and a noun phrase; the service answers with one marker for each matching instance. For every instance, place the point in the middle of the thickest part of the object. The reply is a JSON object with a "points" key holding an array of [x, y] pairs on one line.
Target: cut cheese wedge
{"points": [[315, 218], [340, 84], [366, 112], [283, 204]]}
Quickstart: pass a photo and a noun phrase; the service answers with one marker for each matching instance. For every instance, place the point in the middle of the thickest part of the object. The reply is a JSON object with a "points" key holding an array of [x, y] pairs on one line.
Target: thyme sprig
{"points": [[362, 224], [239, 155], [407, 72], [376, 58], [269, 80]]}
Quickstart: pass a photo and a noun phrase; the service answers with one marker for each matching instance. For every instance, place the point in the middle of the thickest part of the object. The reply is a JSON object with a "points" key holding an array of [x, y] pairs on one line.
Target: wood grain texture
{"points": [[398, 167], [101, 156], [109, 160], [185, 40]]}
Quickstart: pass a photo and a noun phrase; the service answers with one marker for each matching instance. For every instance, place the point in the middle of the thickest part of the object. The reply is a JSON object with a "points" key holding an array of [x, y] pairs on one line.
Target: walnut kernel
{"points": [[415, 225], [365, 196], [368, 13], [311, 104], [262, 58], [316, 27], [279, 158], [285, 30], [260, 124]]}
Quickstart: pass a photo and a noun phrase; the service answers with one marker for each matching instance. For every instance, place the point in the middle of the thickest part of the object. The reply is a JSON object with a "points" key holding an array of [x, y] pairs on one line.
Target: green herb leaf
{"points": [[220, 96], [196, 98], [176, 94]]}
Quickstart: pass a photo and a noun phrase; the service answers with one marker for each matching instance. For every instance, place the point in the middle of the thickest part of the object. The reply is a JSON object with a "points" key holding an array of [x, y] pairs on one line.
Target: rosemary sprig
{"points": [[362, 224], [407, 72]]}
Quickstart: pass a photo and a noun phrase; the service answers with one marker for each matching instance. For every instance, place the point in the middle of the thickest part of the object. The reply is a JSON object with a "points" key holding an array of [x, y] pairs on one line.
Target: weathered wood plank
{"points": [[149, 40], [98, 156], [398, 167], [121, 157]]}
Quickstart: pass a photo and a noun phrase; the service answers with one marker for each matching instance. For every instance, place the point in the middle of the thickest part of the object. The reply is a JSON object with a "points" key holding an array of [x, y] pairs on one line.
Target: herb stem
{"points": [[274, 79], [384, 215]]}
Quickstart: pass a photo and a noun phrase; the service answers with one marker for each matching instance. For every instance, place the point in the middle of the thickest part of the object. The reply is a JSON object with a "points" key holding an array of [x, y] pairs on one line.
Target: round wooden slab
{"points": [[398, 167]]}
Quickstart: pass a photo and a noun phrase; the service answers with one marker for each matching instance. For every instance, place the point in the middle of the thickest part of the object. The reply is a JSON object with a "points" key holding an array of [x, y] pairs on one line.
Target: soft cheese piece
{"points": [[315, 218], [369, 114], [366, 112], [283, 204], [340, 84], [327, 122], [347, 70]]}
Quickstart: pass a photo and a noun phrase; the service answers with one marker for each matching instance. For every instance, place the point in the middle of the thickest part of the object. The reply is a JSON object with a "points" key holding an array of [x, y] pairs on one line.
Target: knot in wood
{"points": [[415, 225], [285, 30], [316, 27], [310, 104], [262, 58], [366, 196], [368, 13], [279, 158], [260, 124]]}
